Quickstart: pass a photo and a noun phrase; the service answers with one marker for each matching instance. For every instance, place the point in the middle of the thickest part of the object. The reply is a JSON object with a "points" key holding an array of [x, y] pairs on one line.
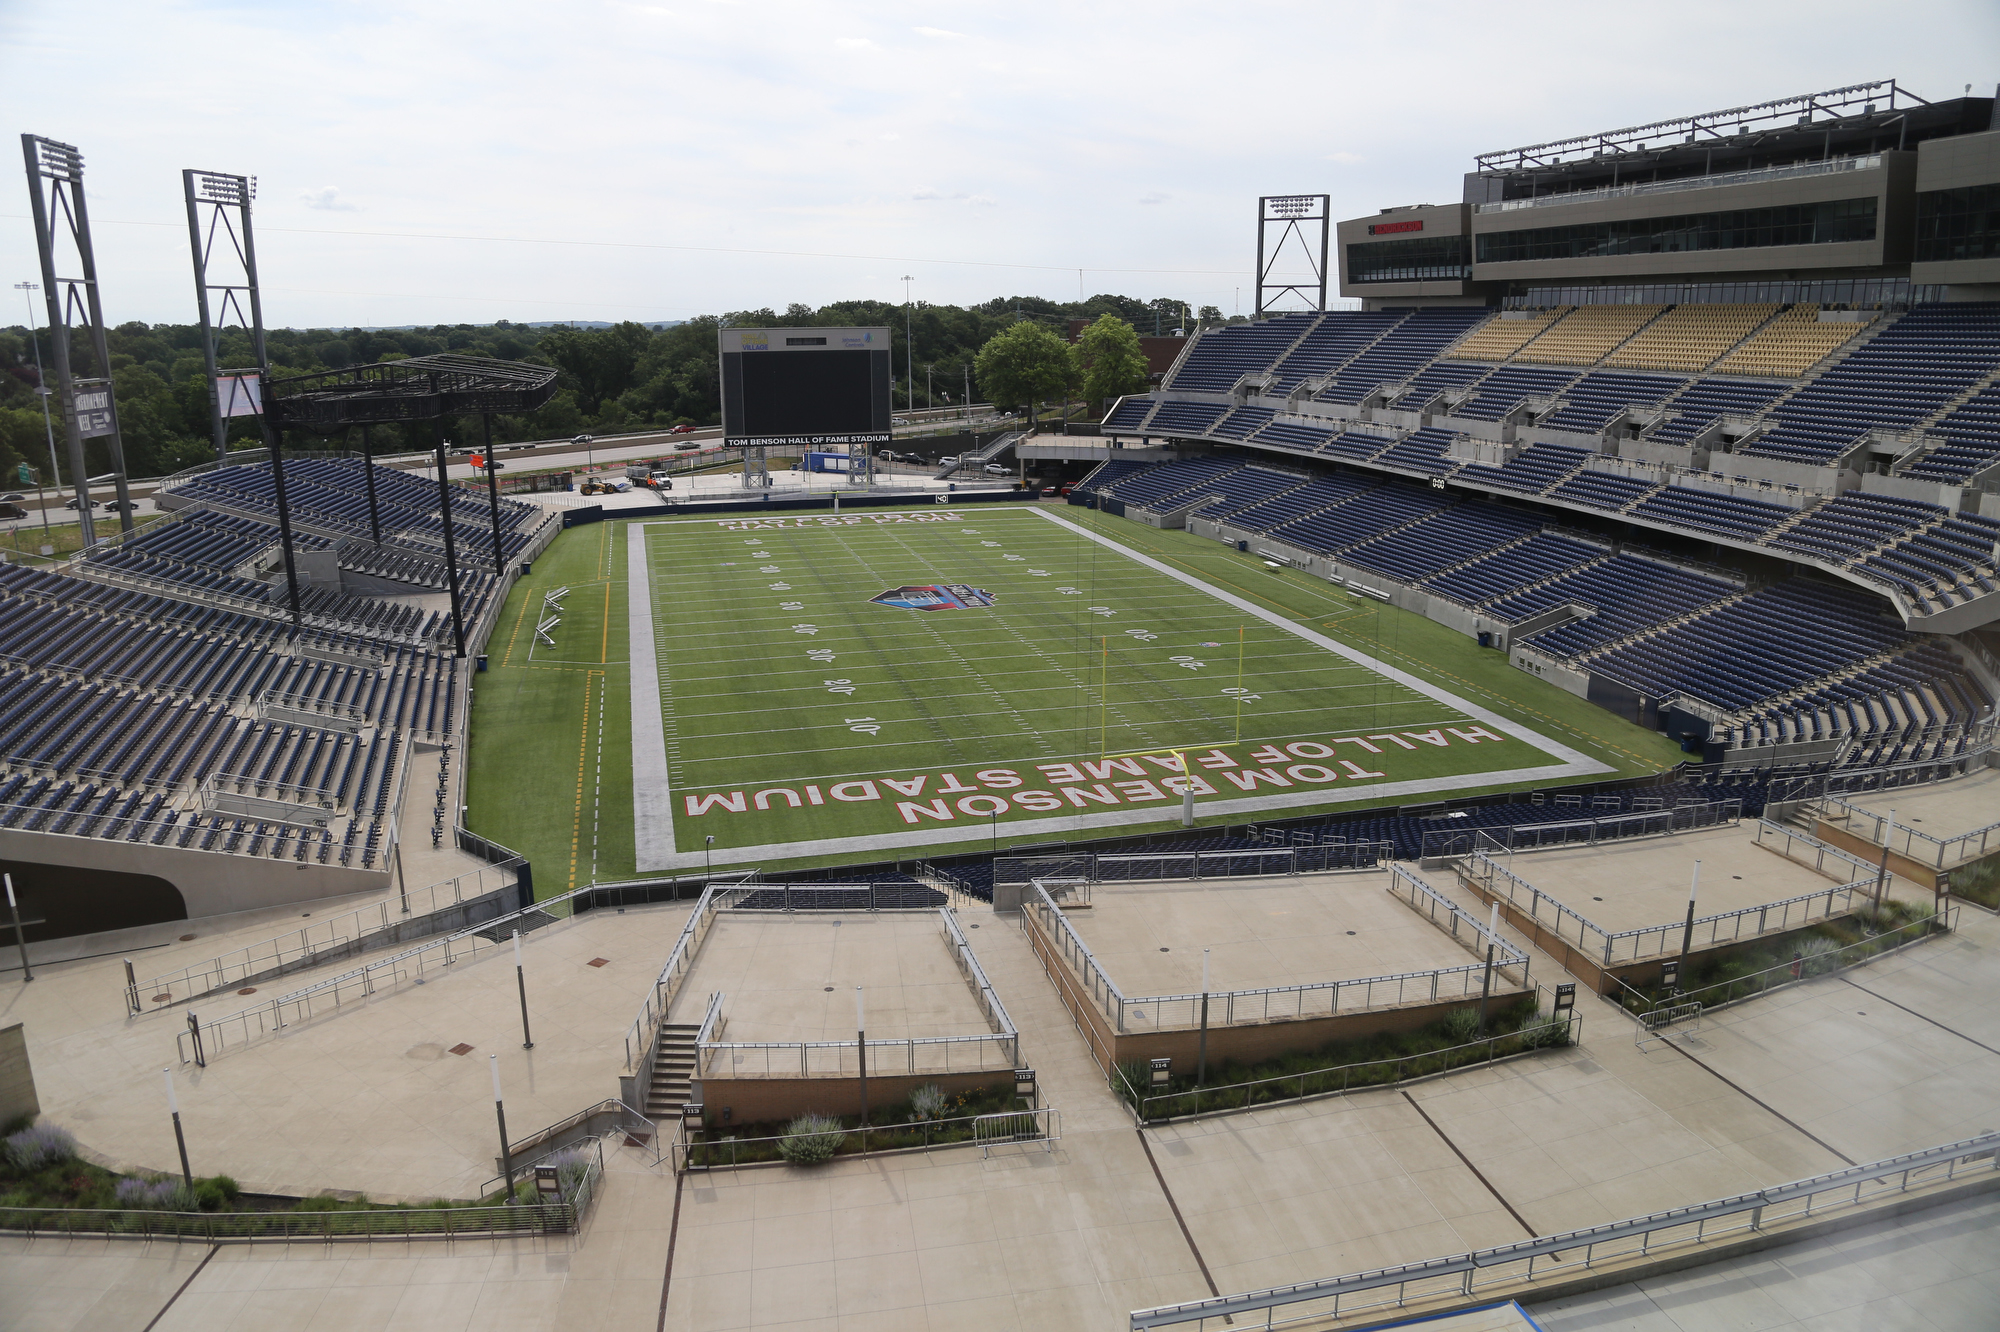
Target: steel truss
{"points": [[1294, 215], [55, 191], [218, 208], [1859, 100]]}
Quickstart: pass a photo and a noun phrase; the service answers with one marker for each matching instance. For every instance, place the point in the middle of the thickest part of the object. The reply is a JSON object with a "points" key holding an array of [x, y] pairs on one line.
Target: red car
{"points": [[682, 430]]}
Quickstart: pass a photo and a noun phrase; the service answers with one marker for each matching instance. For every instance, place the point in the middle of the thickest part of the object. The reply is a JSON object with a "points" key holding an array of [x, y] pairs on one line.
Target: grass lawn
{"points": [[1057, 710]]}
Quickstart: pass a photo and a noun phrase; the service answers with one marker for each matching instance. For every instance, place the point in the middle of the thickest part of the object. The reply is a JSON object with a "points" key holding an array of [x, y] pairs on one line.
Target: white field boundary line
{"points": [[653, 811], [652, 790]]}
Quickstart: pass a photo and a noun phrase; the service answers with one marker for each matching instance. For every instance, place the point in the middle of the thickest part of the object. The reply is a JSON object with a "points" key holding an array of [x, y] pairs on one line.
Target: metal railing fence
{"points": [[1612, 947], [986, 1051], [1441, 843], [204, 1040], [1799, 788], [1128, 1014], [333, 939], [1565, 1256], [1757, 175], [1153, 866], [1787, 842], [403, 1223], [1335, 1080], [1043, 1125], [1707, 998], [1914, 843]]}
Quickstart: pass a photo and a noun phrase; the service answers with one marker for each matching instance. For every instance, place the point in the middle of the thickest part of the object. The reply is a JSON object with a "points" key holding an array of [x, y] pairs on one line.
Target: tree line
{"points": [[625, 377]]}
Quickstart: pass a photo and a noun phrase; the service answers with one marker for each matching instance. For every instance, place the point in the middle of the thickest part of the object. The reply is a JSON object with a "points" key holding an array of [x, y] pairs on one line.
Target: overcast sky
{"points": [[424, 162]]}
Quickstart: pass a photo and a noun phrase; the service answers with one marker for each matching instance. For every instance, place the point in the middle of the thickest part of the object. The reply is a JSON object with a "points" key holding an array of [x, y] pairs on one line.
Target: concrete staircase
{"points": [[673, 1069]]}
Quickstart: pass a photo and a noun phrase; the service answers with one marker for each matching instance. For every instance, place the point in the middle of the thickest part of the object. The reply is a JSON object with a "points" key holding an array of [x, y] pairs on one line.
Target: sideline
{"points": [[652, 792]]}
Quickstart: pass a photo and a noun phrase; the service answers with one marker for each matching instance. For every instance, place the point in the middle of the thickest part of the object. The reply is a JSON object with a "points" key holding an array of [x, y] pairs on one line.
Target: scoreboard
{"points": [[817, 389]]}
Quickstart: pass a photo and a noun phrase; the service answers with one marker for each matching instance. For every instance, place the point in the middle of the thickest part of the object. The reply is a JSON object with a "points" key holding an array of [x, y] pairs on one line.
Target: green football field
{"points": [[734, 690]]}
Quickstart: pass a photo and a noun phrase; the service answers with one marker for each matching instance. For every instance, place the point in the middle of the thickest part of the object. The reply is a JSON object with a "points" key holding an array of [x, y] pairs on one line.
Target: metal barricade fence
{"points": [[1914, 843], [1228, 863]]}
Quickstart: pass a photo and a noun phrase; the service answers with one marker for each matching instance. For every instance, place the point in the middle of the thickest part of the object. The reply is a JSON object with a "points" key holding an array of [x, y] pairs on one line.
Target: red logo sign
{"points": [[1391, 228]]}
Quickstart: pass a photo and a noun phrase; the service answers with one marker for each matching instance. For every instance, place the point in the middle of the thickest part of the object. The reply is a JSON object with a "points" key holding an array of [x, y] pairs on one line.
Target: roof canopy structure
{"points": [[419, 388]]}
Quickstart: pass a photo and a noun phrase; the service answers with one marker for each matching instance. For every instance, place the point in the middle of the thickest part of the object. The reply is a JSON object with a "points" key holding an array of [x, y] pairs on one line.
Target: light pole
{"points": [[707, 863], [928, 368], [861, 1054], [500, 1113], [1492, 938], [967, 367], [42, 390], [909, 349], [1687, 932], [521, 979], [1201, 1052], [180, 1139]]}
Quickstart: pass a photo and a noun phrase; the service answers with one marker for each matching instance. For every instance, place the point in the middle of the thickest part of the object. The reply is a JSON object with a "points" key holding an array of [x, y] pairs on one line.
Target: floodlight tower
{"points": [[218, 207], [1295, 216], [55, 194]]}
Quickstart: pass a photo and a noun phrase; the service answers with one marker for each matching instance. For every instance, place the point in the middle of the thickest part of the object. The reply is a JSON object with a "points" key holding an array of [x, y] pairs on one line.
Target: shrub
{"points": [[1461, 1025], [811, 1139], [927, 1102], [1541, 1030], [1818, 955], [572, 1165], [154, 1195], [36, 1148]]}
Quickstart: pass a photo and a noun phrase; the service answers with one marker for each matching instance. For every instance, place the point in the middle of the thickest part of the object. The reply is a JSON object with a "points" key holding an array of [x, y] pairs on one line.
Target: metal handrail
{"points": [[1883, 825], [1047, 1119], [301, 948], [1578, 1250], [1572, 1026], [1253, 1005]]}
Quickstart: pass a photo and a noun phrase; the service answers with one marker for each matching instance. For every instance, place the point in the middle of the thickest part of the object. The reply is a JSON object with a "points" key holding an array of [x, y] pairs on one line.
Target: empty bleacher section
{"points": [[1158, 488], [1779, 639], [1542, 558], [1914, 706], [1240, 422], [1948, 558], [1358, 445], [1221, 357], [1698, 406], [1588, 334], [1400, 353], [1689, 337], [1592, 401], [1128, 415], [1912, 370], [1442, 540], [1602, 490], [1420, 451], [1333, 530], [1501, 338], [1185, 418], [1505, 389], [1436, 380], [1538, 467], [1626, 594], [1711, 511], [1337, 340], [120, 710], [1971, 432], [1788, 346], [1305, 438]]}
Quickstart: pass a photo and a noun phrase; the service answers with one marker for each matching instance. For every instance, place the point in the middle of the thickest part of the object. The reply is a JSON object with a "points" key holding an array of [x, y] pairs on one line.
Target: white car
{"points": [[997, 469], [948, 462]]}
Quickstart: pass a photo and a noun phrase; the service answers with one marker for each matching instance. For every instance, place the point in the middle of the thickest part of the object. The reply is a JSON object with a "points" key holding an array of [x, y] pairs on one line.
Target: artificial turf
{"points": [[781, 679]]}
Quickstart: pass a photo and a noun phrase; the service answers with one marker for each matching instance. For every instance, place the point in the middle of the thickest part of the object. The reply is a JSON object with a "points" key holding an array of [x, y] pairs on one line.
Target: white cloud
{"points": [[854, 43], [1154, 198], [327, 198], [1344, 159], [936, 32]]}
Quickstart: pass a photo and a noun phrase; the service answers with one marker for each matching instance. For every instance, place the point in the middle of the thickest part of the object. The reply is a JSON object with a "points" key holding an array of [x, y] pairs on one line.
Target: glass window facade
{"points": [[1417, 259], [1738, 229], [1958, 224]]}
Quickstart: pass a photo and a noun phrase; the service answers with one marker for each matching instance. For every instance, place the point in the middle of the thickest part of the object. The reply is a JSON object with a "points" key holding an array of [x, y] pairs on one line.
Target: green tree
{"points": [[1108, 361], [1024, 364]]}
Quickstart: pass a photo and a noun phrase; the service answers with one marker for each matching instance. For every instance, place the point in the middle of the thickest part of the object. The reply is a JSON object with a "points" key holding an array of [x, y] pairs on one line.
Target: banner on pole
{"points": [[90, 404], [239, 395]]}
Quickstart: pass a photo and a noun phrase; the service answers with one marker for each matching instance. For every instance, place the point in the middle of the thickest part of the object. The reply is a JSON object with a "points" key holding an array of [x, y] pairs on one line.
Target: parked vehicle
{"points": [[947, 462], [998, 469]]}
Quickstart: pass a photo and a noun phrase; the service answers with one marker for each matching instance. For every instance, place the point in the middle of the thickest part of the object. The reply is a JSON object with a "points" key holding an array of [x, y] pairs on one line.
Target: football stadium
{"points": [[1468, 799]]}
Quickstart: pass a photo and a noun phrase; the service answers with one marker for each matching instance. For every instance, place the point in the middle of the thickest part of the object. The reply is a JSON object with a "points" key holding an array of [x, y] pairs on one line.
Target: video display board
{"points": [[805, 388]]}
